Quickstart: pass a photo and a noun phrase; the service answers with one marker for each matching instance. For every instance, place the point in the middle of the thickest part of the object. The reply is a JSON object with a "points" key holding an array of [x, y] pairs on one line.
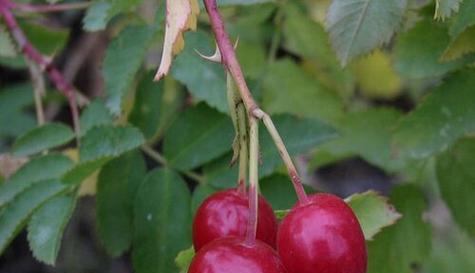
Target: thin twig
{"points": [[155, 155], [253, 179], [42, 62], [231, 63], [39, 90], [50, 7]]}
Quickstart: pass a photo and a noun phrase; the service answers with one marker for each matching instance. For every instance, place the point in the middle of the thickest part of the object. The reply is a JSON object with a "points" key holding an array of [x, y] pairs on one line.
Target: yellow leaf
{"points": [[181, 16], [376, 77], [463, 44]]}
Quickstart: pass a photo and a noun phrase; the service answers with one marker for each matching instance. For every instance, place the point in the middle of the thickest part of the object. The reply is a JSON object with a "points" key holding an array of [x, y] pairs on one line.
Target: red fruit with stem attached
{"points": [[322, 235], [226, 213], [235, 255]]}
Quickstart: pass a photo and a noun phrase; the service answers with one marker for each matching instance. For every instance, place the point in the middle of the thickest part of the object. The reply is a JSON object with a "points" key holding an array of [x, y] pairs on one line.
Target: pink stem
{"points": [[43, 63]]}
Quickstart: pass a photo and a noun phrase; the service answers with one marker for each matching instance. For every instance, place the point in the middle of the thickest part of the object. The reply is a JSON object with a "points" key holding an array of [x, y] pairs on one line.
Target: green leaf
{"points": [[14, 120], [97, 16], [101, 11], [366, 133], [48, 40], [46, 227], [358, 26], [117, 184], [122, 61], [288, 89], [7, 47], [156, 105], [239, 2], [83, 170], [445, 8], [95, 114], [461, 45], [200, 194], [42, 138], [14, 216], [418, 50], [109, 141], [405, 245], [278, 190], [162, 222], [444, 115], [197, 136], [205, 80], [299, 135], [307, 38], [464, 19], [456, 178], [184, 258], [373, 212], [38, 169]]}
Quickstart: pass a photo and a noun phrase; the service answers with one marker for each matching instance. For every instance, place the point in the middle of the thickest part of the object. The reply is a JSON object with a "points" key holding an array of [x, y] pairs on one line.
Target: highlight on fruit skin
{"points": [[235, 255], [225, 213], [322, 235]]}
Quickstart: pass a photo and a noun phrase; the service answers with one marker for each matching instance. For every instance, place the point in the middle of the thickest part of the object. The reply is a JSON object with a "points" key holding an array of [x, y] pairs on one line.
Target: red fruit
{"points": [[322, 235], [226, 213], [233, 255]]}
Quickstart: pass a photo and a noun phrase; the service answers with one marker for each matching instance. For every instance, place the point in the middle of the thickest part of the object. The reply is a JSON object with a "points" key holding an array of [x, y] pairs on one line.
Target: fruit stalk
{"points": [[243, 148], [230, 62], [253, 179], [43, 63]]}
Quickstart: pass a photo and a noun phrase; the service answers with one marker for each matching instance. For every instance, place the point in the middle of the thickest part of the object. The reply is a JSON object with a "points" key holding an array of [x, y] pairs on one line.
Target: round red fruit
{"points": [[234, 255], [226, 213], [322, 235]]}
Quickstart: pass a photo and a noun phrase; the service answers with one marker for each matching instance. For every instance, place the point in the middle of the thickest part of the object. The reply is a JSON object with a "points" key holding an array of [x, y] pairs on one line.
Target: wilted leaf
{"points": [[181, 16], [445, 8]]}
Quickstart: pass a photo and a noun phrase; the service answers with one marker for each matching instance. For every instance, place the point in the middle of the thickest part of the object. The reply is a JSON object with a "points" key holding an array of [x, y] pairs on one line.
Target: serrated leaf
{"points": [[14, 216], [42, 138], [464, 19], [109, 141], [358, 26], [129, 47], [100, 12], [445, 8], [46, 227], [95, 114], [456, 178], [155, 106], [7, 47], [38, 169], [418, 51], [406, 244], [181, 16], [373, 212], [162, 222], [14, 120], [197, 136], [367, 134], [191, 70], [288, 89], [184, 258], [376, 77], [117, 185], [48, 40], [441, 118], [299, 135]]}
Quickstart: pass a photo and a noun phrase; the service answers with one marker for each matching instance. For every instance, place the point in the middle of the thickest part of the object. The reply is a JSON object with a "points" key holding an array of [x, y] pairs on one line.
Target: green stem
{"points": [[243, 147], [253, 179]]}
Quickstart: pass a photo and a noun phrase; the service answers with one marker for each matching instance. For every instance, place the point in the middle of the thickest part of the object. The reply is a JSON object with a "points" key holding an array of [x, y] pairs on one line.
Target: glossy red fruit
{"points": [[322, 235], [233, 255], [226, 213]]}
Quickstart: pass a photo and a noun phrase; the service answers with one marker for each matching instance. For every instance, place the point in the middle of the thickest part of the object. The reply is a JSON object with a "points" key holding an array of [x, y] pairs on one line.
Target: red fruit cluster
{"points": [[319, 235]]}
